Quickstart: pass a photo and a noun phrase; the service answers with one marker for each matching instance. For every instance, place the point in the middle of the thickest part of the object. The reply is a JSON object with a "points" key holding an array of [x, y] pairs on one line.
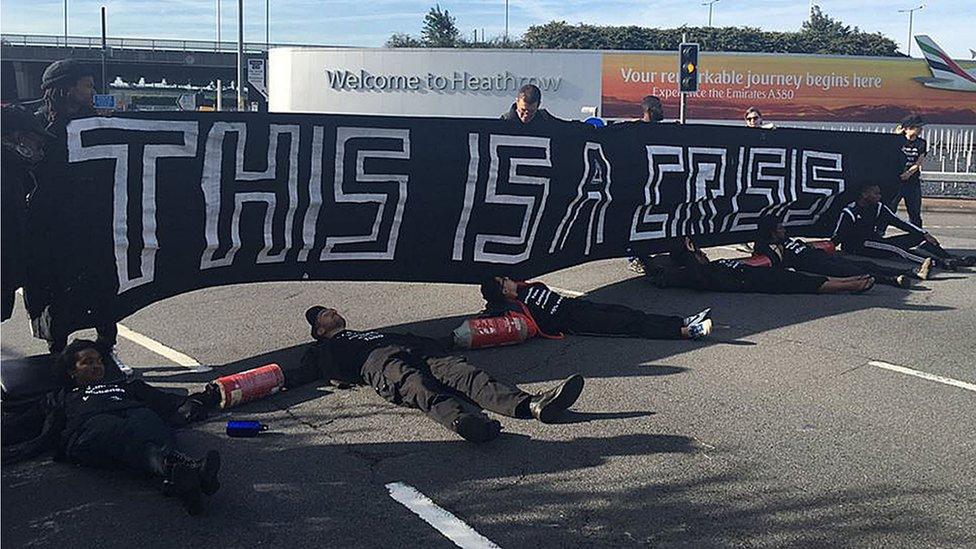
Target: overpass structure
{"points": [[23, 58]]}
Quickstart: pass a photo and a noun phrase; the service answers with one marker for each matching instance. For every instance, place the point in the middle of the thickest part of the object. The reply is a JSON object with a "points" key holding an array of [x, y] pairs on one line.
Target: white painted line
{"points": [[564, 291], [443, 521], [924, 375], [161, 350]]}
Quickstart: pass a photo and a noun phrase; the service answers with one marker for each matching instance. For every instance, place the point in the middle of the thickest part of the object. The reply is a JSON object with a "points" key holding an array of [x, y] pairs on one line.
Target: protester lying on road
{"points": [[417, 372], [109, 422], [555, 313], [686, 266], [793, 253], [861, 226]]}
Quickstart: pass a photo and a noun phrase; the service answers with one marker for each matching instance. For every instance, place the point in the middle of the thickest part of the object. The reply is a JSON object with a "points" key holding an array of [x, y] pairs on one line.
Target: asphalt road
{"points": [[777, 431]]}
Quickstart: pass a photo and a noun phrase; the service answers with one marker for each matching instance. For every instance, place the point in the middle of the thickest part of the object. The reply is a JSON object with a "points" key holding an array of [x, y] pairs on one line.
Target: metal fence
{"points": [[152, 44], [951, 153]]}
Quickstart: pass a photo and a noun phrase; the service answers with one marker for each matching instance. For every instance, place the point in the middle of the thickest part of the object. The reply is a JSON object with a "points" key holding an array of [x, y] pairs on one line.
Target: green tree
{"points": [[403, 40], [821, 34], [440, 29]]}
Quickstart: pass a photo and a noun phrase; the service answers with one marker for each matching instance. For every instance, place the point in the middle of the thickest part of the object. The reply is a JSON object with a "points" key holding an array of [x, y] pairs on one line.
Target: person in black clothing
{"points": [[914, 150], [23, 147], [109, 422], [417, 372], [686, 266], [525, 111], [651, 109], [793, 253], [861, 226], [555, 313], [68, 88]]}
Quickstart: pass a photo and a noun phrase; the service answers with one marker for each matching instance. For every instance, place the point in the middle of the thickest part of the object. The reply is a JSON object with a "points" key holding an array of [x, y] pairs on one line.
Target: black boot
{"points": [[546, 405], [476, 427], [190, 479]]}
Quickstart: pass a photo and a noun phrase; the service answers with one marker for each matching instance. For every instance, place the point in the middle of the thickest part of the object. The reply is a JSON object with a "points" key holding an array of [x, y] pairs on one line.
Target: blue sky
{"points": [[371, 22]]}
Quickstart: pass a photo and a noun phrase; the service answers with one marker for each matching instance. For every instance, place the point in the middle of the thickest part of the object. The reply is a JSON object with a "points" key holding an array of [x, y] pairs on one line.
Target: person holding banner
{"points": [[68, 88], [555, 313], [754, 119], [793, 253], [23, 147], [417, 372], [525, 111], [687, 266], [861, 227]]}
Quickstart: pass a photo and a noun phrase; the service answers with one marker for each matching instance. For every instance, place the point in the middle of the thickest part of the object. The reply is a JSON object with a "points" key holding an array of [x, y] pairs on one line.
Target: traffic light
{"points": [[688, 67]]}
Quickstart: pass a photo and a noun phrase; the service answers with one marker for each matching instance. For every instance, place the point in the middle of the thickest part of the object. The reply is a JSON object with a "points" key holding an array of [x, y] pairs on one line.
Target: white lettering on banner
{"points": [[821, 176], [593, 186], [706, 169], [767, 181], [761, 181], [474, 158], [211, 182], [647, 225], [344, 138], [78, 152], [533, 207]]}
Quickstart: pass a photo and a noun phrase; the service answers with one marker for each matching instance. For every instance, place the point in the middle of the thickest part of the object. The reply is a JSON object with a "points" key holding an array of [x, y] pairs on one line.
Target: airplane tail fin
{"points": [[941, 65]]}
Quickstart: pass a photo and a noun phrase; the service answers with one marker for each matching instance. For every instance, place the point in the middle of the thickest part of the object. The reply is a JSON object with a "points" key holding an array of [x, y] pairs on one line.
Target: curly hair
{"points": [[58, 103]]}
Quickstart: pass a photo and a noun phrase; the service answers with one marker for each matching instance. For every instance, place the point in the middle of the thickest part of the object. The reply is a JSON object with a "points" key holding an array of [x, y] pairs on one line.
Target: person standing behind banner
{"points": [[23, 147], [651, 109], [525, 112], [69, 89], [652, 112], [914, 150], [754, 119]]}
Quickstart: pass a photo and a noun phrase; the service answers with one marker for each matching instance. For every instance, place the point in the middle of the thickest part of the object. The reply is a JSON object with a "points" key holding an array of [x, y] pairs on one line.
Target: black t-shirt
{"points": [[81, 403], [544, 305], [342, 356], [913, 150]]}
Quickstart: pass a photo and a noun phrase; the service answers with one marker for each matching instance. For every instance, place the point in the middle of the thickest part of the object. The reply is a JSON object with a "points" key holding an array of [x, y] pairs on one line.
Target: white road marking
{"points": [[924, 375], [564, 291], [161, 350], [443, 521]]}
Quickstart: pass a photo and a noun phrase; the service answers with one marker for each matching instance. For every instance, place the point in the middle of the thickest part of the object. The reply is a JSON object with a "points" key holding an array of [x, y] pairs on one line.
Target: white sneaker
{"points": [[700, 330], [697, 317], [922, 272]]}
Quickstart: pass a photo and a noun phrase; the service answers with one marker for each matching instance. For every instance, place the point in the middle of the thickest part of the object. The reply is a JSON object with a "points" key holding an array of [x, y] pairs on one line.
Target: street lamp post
{"points": [[240, 55], [710, 3], [66, 23], [506, 22], [911, 17]]}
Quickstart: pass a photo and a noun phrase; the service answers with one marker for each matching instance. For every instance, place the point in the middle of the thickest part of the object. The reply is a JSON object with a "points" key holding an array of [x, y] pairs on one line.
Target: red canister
{"points": [[491, 331], [250, 385]]}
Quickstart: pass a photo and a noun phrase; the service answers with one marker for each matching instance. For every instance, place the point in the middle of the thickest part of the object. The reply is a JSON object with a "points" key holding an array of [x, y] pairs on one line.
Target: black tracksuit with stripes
{"points": [[860, 230], [796, 254]]}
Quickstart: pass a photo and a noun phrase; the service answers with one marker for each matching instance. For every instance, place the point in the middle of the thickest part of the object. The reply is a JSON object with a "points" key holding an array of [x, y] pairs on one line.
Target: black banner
{"points": [[160, 204]]}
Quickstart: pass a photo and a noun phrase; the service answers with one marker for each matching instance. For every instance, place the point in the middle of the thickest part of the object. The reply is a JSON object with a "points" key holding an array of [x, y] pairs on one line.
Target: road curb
{"points": [[949, 205]]}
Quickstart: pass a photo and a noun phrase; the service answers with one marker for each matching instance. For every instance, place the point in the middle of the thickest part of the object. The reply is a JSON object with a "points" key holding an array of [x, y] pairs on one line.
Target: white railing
{"points": [[153, 44]]}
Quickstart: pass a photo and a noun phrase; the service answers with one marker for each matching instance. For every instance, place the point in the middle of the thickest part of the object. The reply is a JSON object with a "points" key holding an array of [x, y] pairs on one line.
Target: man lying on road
{"points": [[417, 372], [555, 313], [686, 266]]}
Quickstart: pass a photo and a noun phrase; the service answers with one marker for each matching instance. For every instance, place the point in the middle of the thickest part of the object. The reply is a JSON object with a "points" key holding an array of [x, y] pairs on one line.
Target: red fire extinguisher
{"points": [[509, 329], [250, 385]]}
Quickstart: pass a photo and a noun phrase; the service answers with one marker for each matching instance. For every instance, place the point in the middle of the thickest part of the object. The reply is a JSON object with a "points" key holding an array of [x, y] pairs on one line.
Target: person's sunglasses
{"points": [[752, 118]]}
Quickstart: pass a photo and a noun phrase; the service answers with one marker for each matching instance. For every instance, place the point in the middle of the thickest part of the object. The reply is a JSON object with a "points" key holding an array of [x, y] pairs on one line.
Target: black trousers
{"points": [[119, 440], [443, 387], [905, 246], [582, 317], [911, 191], [774, 280], [820, 262]]}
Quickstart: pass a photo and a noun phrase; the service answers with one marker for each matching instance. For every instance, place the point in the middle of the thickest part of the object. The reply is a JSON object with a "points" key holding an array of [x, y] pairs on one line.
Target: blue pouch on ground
{"points": [[245, 429]]}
